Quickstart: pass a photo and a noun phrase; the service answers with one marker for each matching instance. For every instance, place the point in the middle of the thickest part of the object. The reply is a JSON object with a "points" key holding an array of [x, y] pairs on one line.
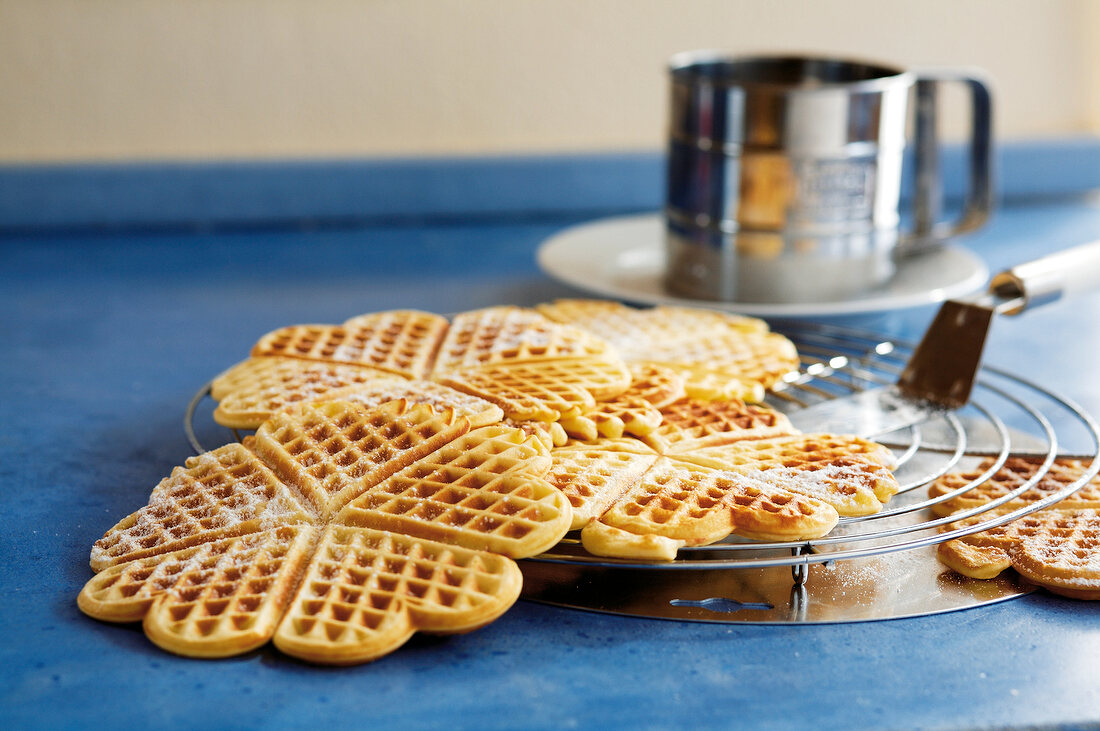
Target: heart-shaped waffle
{"points": [[368, 591], [1057, 547], [249, 393], [677, 504], [543, 391], [497, 335], [402, 342], [717, 354], [227, 555]]}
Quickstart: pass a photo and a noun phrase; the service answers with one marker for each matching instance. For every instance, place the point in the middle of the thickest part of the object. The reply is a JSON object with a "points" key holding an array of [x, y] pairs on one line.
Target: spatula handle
{"points": [[1037, 282]]}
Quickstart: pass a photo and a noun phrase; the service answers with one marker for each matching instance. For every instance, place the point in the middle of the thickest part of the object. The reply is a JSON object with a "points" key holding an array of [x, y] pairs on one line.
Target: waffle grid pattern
{"points": [[221, 595]]}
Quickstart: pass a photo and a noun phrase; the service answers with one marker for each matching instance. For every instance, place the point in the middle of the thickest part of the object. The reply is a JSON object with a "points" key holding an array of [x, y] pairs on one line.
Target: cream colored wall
{"points": [[168, 79]]}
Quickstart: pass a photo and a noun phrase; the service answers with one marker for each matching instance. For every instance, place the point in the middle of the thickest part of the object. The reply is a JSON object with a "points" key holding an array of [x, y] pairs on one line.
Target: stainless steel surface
{"points": [[784, 175], [879, 587]]}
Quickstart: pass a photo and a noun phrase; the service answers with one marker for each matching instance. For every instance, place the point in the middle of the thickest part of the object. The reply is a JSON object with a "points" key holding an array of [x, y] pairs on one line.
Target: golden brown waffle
{"points": [[497, 335], [217, 494], [676, 504], [368, 591], [251, 391], [851, 474], [594, 475], [216, 599], [543, 391], [976, 492], [402, 342], [225, 555], [478, 411], [636, 411], [734, 365], [484, 490], [691, 424], [718, 355], [1056, 547], [630, 330], [1060, 550], [331, 452]]}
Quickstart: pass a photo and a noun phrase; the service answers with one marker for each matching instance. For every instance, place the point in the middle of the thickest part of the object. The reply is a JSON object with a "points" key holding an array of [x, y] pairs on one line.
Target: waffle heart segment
{"points": [[216, 599], [636, 411], [501, 335], [367, 592], [543, 391], [477, 411], [226, 492], [678, 504], [335, 450], [692, 424], [718, 355], [485, 490], [401, 341], [974, 488], [851, 474], [252, 391], [592, 476]]}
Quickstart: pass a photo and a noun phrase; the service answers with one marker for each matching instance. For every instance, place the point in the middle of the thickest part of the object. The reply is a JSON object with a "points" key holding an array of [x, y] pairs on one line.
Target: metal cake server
{"points": [[940, 374]]}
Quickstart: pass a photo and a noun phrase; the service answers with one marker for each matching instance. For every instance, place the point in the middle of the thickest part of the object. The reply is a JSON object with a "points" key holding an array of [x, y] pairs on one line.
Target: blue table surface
{"points": [[108, 336]]}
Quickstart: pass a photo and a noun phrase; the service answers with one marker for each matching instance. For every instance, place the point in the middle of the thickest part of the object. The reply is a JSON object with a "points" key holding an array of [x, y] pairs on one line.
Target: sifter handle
{"points": [[1044, 280]]}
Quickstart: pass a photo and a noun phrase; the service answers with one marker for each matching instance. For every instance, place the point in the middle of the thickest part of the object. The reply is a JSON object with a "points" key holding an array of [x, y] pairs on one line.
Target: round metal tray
{"points": [[874, 567]]}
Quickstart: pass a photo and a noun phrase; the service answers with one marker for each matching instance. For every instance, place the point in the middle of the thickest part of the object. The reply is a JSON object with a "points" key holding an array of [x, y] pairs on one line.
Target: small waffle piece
{"points": [[333, 451], [221, 493], [636, 411], [593, 475], [550, 433], [367, 592], [1057, 547], [402, 342], [251, 391], [691, 424], [216, 599], [692, 505], [484, 491], [543, 391], [498, 335]]}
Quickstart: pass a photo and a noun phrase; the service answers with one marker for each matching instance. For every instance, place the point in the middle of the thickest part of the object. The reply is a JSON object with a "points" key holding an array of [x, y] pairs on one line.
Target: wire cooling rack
{"points": [[878, 566], [872, 567]]}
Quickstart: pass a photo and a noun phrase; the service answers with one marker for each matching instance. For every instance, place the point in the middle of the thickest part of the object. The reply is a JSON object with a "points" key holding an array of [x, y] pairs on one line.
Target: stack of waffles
{"points": [[1057, 547], [400, 461]]}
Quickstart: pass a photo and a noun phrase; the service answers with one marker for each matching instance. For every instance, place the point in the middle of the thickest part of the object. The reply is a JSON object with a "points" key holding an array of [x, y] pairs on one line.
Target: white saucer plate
{"points": [[624, 258]]}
